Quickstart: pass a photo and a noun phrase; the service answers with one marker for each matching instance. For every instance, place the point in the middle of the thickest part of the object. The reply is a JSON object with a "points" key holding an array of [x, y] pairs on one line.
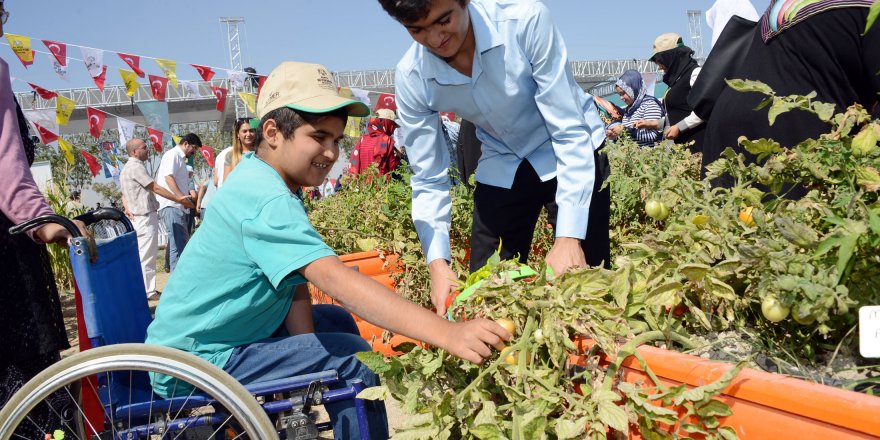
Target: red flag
{"points": [[99, 80], [208, 154], [45, 94], [96, 121], [204, 71], [220, 93], [386, 100], [46, 136], [94, 166], [260, 83], [57, 49], [133, 61], [449, 115], [155, 138], [159, 85]]}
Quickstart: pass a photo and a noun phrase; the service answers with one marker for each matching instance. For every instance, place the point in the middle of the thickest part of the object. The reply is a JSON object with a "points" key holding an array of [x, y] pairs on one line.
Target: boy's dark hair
{"points": [[288, 120], [192, 139], [408, 11]]}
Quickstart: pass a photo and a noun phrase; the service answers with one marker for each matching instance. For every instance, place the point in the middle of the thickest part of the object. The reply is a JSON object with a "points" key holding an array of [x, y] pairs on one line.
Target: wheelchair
{"points": [[109, 386]]}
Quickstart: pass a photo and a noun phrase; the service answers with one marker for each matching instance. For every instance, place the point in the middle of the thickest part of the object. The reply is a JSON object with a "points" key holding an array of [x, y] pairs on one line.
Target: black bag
{"points": [[730, 51]]}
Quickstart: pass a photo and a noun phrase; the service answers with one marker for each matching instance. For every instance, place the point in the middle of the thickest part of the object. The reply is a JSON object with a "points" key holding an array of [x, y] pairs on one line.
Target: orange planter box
{"points": [[765, 405]]}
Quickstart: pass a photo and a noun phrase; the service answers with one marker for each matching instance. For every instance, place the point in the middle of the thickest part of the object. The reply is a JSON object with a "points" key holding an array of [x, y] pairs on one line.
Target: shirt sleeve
{"points": [[140, 176], [280, 240], [429, 159], [20, 198], [648, 109], [574, 125], [691, 120]]}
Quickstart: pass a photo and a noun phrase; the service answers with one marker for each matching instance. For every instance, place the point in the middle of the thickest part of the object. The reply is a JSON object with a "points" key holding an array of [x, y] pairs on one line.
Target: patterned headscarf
{"points": [[631, 83], [785, 14]]}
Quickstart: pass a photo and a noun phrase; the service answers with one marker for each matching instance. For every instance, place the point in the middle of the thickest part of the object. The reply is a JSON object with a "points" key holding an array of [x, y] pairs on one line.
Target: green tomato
{"points": [[801, 315], [773, 310], [539, 336], [656, 210]]}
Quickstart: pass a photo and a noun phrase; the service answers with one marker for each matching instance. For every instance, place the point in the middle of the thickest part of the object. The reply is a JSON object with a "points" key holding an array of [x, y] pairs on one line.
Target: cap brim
{"points": [[325, 104]]}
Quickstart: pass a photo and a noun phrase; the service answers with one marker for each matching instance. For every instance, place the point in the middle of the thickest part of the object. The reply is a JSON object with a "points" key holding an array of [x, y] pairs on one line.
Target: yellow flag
{"points": [[63, 109], [353, 129], [170, 69], [250, 100], [345, 92], [176, 139], [21, 45], [129, 78], [67, 148]]}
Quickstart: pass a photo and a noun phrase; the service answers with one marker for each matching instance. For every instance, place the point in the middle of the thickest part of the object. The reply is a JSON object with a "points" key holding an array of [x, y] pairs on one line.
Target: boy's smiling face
{"points": [[444, 29], [306, 157]]}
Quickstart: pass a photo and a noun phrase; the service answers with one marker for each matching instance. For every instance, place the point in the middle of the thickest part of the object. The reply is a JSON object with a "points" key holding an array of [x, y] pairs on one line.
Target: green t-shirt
{"points": [[234, 282]]}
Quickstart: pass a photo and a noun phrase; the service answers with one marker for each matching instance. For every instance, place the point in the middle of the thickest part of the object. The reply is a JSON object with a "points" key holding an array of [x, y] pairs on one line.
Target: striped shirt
{"points": [[649, 109]]}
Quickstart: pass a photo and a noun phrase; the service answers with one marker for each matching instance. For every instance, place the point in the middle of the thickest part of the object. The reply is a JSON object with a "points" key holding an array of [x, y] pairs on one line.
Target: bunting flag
{"points": [[176, 139], [59, 50], [386, 100], [250, 100], [129, 78], [208, 154], [96, 121], [21, 45], [44, 117], [260, 83], [353, 127], [156, 114], [63, 109], [205, 72], [448, 115], [236, 77], [60, 70], [362, 96], [170, 69], [126, 130], [46, 136], [67, 149], [191, 88], [220, 93], [94, 61], [156, 139], [45, 94], [94, 166], [133, 61], [159, 85]]}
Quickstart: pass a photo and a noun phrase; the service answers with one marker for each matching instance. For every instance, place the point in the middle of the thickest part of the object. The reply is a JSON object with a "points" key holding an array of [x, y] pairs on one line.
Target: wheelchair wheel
{"points": [[222, 409]]}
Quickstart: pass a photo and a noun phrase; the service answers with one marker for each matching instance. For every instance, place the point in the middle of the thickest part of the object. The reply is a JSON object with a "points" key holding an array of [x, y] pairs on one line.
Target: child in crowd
{"points": [[251, 314]]}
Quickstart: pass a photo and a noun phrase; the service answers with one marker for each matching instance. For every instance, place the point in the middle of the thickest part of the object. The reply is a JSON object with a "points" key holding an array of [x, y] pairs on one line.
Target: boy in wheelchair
{"points": [[238, 296]]}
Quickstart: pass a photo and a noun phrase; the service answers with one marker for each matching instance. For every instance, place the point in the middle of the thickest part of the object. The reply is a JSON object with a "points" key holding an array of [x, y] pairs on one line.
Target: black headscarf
{"points": [[677, 60], [29, 147]]}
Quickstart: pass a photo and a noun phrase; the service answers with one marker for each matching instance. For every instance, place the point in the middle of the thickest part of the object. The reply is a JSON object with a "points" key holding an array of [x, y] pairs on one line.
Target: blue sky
{"points": [[342, 34]]}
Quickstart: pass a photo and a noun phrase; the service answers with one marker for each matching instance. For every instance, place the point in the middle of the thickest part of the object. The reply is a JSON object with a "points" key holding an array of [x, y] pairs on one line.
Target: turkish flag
{"points": [[133, 61], [94, 166], [57, 49], [46, 136], [99, 80], [96, 121], [205, 72], [220, 93], [208, 154], [449, 115], [155, 138], [159, 85], [386, 100], [45, 94], [260, 83]]}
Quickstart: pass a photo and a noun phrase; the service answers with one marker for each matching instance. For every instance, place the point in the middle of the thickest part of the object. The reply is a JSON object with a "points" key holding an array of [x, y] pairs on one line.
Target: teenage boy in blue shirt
{"points": [[251, 313], [502, 65]]}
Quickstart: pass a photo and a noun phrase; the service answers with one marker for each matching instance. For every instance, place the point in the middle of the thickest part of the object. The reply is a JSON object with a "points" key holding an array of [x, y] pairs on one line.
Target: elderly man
{"points": [[174, 177], [142, 208]]}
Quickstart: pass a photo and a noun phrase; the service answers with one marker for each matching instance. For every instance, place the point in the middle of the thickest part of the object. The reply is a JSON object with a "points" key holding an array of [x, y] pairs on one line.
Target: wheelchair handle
{"points": [[87, 218]]}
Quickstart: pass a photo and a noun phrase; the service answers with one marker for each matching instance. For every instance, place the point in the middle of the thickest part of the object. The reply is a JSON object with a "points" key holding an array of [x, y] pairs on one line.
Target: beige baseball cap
{"points": [[386, 113], [664, 42], [305, 87]]}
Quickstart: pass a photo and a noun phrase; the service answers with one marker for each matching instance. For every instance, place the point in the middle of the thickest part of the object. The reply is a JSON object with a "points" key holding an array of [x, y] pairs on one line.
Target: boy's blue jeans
{"points": [[331, 347]]}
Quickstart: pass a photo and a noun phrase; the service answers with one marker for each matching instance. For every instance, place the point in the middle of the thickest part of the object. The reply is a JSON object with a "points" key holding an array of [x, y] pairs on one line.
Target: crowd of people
{"points": [[251, 314]]}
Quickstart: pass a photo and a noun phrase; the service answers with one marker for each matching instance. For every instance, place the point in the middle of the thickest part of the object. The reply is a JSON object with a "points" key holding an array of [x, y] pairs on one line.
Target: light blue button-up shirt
{"points": [[525, 103]]}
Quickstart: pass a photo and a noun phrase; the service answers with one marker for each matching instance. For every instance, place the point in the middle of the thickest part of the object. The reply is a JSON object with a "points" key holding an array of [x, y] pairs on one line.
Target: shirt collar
{"points": [[134, 159]]}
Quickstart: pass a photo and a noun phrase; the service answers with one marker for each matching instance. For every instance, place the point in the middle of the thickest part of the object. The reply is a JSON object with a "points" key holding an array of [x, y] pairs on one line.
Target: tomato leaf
{"points": [[613, 416], [374, 393], [745, 85]]}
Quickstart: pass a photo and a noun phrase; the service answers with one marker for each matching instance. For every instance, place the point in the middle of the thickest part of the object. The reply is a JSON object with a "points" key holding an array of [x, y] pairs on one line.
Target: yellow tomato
{"points": [[510, 356], [508, 325], [745, 216], [773, 310]]}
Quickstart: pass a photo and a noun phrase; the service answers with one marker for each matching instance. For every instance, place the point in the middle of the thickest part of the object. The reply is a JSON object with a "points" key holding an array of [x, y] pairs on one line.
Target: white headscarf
{"points": [[721, 12]]}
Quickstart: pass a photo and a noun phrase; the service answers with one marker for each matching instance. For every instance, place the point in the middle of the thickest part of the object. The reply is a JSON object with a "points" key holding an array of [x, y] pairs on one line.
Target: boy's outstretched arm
{"points": [[470, 340]]}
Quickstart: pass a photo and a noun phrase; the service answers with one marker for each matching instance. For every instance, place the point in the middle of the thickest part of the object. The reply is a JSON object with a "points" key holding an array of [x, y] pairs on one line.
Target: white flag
{"points": [[237, 77], [362, 96], [94, 59], [46, 118], [191, 88], [60, 70], [126, 130]]}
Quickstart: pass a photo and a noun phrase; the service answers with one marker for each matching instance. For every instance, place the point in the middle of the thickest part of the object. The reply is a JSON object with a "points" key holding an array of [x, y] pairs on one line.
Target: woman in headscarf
{"points": [[377, 146], [680, 71], [798, 47], [643, 112]]}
